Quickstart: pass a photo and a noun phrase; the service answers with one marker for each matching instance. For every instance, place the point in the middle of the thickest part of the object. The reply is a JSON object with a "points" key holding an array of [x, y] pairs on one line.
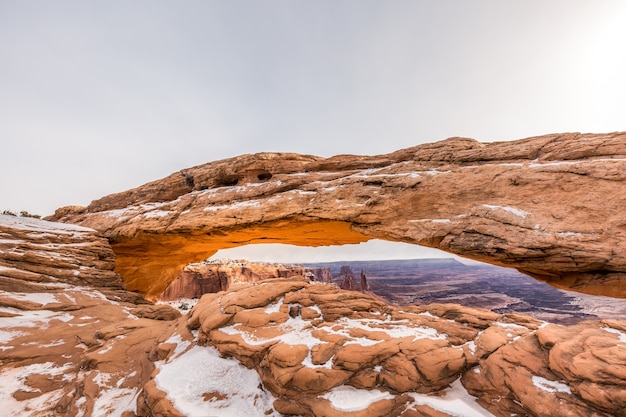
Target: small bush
{"points": [[24, 213]]}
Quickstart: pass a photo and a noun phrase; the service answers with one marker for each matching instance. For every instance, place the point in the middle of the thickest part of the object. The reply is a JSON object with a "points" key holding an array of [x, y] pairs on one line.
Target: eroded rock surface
{"points": [[71, 347], [218, 275], [322, 351], [550, 206], [73, 342]]}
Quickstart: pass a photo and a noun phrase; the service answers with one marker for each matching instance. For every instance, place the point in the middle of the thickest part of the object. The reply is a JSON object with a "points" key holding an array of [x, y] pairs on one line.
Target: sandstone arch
{"points": [[550, 206]]}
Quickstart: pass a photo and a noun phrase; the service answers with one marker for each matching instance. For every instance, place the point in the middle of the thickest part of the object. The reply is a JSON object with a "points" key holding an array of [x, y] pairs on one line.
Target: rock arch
{"points": [[550, 206]]}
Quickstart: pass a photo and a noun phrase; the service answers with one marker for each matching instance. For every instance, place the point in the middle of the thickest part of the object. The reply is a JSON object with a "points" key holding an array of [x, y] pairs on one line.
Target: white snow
{"points": [[274, 308], [395, 329], [431, 221], [513, 210], [456, 402], [42, 226], [550, 386], [156, 214], [472, 346], [296, 331], [7, 336], [234, 205], [510, 326], [347, 398], [200, 383], [13, 379], [114, 402], [37, 318], [39, 298], [620, 334]]}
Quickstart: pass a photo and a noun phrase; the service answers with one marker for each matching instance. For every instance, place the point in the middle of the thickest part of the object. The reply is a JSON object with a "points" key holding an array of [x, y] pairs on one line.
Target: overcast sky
{"points": [[98, 97]]}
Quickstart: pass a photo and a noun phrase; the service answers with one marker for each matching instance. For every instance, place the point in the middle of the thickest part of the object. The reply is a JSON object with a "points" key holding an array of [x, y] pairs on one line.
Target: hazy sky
{"points": [[101, 96]]}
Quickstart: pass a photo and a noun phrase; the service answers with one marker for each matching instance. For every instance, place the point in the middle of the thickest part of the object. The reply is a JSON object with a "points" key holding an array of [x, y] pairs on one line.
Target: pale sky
{"points": [[98, 97]]}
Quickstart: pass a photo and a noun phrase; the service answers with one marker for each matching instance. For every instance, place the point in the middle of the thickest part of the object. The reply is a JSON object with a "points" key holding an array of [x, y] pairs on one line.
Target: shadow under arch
{"points": [[150, 261]]}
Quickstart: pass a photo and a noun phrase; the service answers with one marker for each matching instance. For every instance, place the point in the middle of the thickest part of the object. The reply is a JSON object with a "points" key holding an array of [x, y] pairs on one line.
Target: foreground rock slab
{"points": [[71, 345], [73, 342], [550, 206], [318, 350]]}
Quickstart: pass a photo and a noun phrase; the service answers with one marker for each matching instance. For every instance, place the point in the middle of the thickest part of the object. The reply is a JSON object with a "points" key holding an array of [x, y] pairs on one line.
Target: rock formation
{"points": [[550, 206], [348, 280], [74, 342], [217, 275], [323, 351]]}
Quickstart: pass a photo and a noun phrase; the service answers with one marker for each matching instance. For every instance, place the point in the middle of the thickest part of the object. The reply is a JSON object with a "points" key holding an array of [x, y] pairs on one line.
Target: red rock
{"points": [[544, 211]]}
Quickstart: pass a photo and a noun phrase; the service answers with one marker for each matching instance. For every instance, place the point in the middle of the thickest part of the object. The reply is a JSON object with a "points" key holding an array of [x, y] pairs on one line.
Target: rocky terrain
{"points": [[216, 275], [550, 206], [284, 346], [503, 290], [74, 341]]}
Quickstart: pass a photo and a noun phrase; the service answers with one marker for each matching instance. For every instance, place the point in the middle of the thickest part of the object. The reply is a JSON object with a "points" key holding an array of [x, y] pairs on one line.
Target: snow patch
{"points": [[456, 402], [13, 380], [36, 297], [41, 226], [347, 398], [550, 386], [431, 221], [513, 210], [510, 326], [620, 334], [115, 402], [235, 205], [156, 214], [228, 390], [7, 336], [274, 308]]}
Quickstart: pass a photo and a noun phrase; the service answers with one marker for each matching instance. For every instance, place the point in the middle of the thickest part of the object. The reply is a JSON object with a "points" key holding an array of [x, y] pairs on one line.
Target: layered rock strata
{"points": [[72, 347], [73, 342], [323, 351], [218, 275], [550, 206]]}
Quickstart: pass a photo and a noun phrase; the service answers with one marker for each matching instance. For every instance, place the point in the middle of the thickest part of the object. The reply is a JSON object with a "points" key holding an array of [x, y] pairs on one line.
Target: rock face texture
{"points": [[74, 342], [323, 351], [550, 206], [349, 280], [218, 275]]}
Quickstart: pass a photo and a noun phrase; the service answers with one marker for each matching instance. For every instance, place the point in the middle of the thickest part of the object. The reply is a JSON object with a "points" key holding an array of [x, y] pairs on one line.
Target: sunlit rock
{"points": [[550, 206]]}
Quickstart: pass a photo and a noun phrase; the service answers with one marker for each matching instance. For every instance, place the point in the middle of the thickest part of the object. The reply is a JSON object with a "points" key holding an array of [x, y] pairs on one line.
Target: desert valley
{"points": [[87, 326]]}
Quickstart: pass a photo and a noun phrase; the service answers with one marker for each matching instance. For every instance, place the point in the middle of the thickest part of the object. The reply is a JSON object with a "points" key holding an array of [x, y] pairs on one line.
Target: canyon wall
{"points": [[73, 342], [217, 275], [550, 206]]}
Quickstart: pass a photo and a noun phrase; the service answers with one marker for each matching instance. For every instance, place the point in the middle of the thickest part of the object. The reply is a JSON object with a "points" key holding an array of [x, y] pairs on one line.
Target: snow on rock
{"points": [[455, 401], [41, 226], [550, 386], [347, 398], [513, 210], [13, 379], [621, 335], [221, 387]]}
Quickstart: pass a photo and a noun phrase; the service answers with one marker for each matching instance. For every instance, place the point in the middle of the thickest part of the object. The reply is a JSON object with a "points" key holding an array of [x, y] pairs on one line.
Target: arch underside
{"points": [[150, 261], [550, 206]]}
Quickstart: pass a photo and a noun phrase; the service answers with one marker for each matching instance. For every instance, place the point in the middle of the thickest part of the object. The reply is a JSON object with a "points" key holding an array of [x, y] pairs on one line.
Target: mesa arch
{"points": [[550, 206]]}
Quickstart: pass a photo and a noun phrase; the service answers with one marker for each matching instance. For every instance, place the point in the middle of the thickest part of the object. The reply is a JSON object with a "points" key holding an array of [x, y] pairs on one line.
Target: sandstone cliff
{"points": [[323, 351], [218, 275], [551, 206], [73, 342]]}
